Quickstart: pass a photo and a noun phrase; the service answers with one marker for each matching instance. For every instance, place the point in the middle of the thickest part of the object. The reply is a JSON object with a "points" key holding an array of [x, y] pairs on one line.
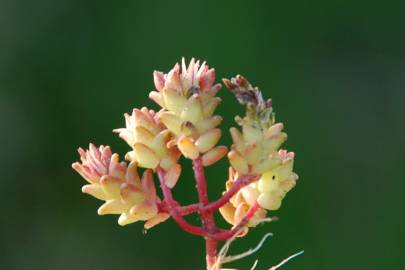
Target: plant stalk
{"points": [[207, 217], [205, 209]]}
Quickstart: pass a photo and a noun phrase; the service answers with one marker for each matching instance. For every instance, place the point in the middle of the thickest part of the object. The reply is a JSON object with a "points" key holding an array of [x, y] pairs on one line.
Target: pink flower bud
{"points": [[131, 194], [274, 130], [173, 79], [118, 185], [172, 175], [214, 155], [207, 80], [97, 162], [159, 80], [194, 77], [148, 137]]}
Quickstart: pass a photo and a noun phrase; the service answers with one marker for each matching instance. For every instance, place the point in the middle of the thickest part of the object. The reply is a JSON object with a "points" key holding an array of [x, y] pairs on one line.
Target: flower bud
{"points": [[189, 130], [274, 142], [145, 118], [210, 105], [158, 144], [126, 218], [145, 156], [111, 186], [208, 123], [187, 147], [173, 101], [159, 218], [207, 80], [240, 212], [159, 80], [214, 155], [238, 162], [270, 201], [235, 210], [253, 153], [188, 96], [95, 191], [130, 194], [239, 143], [251, 134], [148, 137], [171, 121], [173, 80], [228, 213], [172, 175], [275, 183], [208, 140], [119, 186], [142, 135], [266, 165], [144, 211], [111, 207], [192, 110], [157, 97], [273, 130], [193, 76]]}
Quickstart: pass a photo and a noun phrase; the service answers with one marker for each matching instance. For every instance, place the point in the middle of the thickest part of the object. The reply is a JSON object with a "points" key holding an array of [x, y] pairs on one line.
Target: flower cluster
{"points": [[119, 186], [254, 147], [238, 206], [260, 173], [149, 138], [187, 95], [255, 150]]}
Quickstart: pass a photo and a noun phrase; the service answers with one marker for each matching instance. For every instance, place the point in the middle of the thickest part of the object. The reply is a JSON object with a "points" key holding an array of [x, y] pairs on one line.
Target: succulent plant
{"points": [[260, 173]]}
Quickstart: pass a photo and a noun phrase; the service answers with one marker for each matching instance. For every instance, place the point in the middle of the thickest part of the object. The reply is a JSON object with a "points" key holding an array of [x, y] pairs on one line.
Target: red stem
{"points": [[207, 217], [172, 205], [241, 182], [189, 209], [182, 210], [205, 209]]}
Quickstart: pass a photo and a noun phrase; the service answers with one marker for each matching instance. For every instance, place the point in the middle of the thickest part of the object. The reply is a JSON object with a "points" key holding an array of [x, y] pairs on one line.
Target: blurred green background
{"points": [[334, 69]]}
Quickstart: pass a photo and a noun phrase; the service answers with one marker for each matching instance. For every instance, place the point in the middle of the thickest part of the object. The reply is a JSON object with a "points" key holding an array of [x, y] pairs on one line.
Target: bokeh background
{"points": [[334, 69]]}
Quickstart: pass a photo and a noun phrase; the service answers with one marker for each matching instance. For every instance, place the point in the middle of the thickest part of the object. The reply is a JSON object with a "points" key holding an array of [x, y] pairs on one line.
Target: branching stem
{"points": [[205, 210], [172, 205], [240, 183]]}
